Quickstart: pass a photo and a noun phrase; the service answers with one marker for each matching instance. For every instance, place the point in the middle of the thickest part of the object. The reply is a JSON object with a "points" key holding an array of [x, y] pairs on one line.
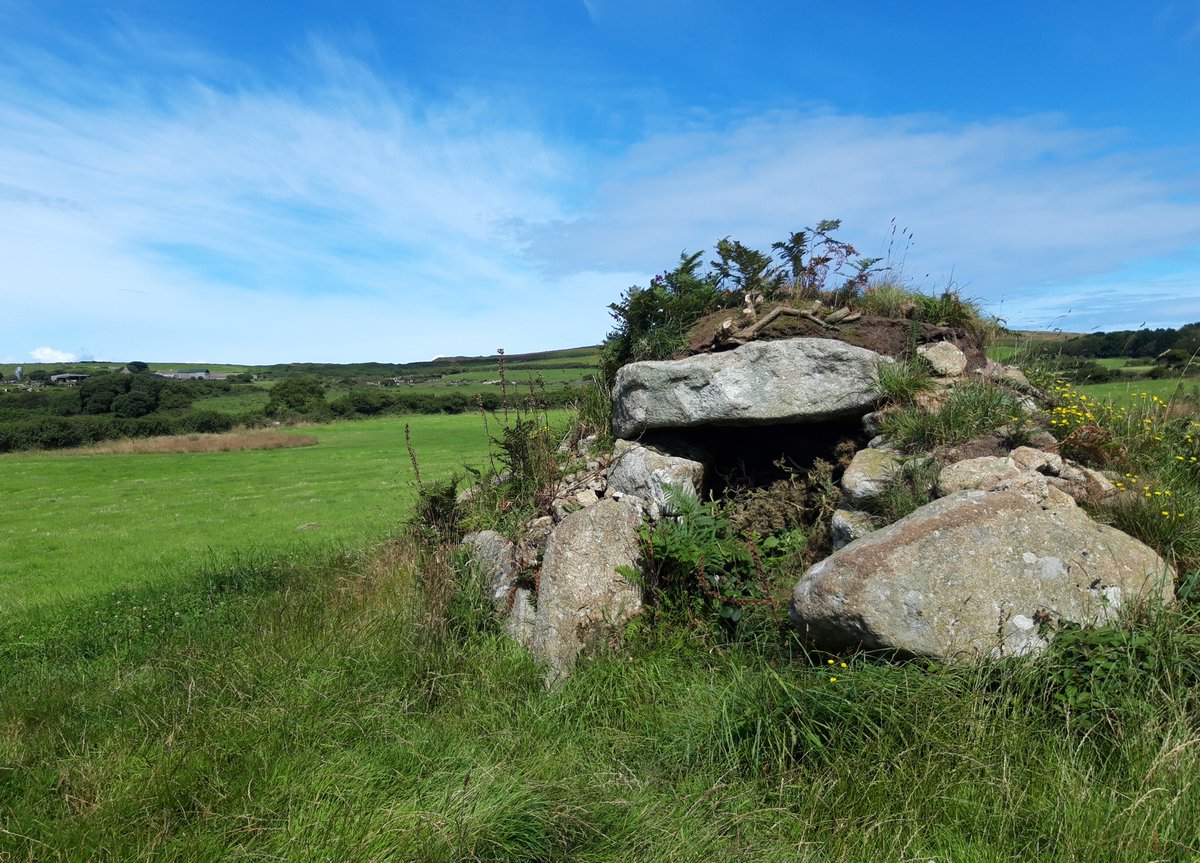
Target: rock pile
{"points": [[984, 570]]}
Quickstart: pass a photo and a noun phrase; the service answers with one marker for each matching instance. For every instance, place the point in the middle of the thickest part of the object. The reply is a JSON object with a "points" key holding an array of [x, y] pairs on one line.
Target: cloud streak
{"points": [[346, 219], [1007, 207]]}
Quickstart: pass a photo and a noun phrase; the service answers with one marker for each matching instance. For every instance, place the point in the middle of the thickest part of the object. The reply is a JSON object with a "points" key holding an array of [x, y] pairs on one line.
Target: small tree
{"points": [[295, 396]]}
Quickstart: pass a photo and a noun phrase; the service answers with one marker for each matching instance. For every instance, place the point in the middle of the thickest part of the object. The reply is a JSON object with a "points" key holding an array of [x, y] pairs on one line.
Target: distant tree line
{"points": [[107, 406], [1133, 343], [114, 405]]}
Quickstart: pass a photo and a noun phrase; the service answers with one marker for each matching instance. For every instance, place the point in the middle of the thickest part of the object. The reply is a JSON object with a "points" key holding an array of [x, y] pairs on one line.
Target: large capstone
{"points": [[583, 599], [761, 383], [977, 574]]}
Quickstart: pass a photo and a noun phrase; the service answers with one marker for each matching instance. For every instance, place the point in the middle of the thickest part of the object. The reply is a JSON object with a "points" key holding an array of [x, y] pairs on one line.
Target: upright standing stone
{"points": [[582, 599]]}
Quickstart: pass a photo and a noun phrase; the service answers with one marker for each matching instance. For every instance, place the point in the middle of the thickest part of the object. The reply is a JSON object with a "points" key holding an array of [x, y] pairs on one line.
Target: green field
{"points": [[1167, 389], [82, 524]]}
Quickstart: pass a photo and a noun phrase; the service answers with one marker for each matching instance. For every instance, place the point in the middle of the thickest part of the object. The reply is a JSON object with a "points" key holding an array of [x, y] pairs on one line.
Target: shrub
{"points": [[527, 449], [132, 405], [206, 422], [653, 322], [299, 395], [698, 559]]}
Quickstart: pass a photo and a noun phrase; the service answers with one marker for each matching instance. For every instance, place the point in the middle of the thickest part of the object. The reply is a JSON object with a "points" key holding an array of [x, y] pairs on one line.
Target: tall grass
{"points": [[331, 707], [968, 410], [239, 440]]}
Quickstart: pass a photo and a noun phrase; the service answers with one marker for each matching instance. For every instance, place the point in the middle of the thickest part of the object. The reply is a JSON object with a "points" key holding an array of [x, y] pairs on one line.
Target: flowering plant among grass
{"points": [[1152, 443]]}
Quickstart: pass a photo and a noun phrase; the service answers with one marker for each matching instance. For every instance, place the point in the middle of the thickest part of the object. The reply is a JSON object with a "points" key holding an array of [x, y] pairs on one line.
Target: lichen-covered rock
{"points": [[944, 358], [494, 556], [847, 525], [984, 472], [1005, 374], [869, 473], [1045, 478], [583, 601], [519, 622], [644, 473], [972, 574], [761, 383]]}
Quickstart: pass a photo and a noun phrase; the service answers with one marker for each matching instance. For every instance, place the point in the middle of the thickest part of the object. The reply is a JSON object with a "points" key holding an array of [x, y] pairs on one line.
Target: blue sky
{"points": [[312, 181]]}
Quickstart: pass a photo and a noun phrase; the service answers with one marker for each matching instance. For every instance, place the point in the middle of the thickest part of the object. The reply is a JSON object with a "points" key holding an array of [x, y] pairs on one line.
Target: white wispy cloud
{"points": [[1006, 207], [348, 219]]}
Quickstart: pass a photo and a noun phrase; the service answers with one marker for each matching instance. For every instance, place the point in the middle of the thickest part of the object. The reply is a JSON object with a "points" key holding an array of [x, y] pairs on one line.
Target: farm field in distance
{"points": [[79, 524], [1166, 389]]}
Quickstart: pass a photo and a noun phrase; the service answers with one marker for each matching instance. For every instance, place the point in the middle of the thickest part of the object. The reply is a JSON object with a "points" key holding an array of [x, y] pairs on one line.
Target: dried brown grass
{"points": [[239, 440]]}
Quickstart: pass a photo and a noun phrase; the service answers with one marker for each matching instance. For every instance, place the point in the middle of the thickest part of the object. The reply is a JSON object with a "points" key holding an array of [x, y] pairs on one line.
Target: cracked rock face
{"points": [[973, 575], [583, 601], [643, 473], [761, 383]]}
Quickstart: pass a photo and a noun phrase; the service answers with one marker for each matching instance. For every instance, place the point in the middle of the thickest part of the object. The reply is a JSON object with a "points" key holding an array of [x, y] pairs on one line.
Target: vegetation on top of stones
{"points": [[909, 489], [899, 382], [1153, 446], [964, 412], [653, 322], [695, 557]]}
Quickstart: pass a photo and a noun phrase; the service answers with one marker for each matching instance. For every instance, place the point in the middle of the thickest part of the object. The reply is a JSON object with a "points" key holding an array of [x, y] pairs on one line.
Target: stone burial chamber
{"points": [[975, 573]]}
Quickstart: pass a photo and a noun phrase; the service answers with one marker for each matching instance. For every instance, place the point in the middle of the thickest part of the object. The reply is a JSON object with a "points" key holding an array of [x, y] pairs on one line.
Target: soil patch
{"points": [[991, 445], [891, 337]]}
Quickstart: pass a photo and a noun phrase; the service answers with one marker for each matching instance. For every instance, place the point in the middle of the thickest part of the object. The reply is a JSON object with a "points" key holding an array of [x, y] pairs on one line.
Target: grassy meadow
{"points": [[238, 656], [1129, 392], [78, 523]]}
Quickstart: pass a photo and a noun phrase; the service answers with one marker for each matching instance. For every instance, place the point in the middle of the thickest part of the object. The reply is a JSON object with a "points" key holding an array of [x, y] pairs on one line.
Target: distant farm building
{"points": [[185, 374], [68, 379]]}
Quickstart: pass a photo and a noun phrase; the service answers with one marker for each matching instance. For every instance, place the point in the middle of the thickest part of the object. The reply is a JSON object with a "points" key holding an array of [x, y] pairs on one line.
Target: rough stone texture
{"points": [[1045, 478], [872, 423], [1083, 483], [1043, 440], [762, 383], [847, 525], [1002, 373], [585, 497], [944, 358], [1028, 458], [582, 599], [970, 574], [869, 473], [642, 472], [494, 556], [519, 623], [975, 473]]}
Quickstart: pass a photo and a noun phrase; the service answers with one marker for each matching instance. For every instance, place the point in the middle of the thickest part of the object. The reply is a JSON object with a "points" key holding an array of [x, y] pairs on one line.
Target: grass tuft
{"points": [[967, 411]]}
